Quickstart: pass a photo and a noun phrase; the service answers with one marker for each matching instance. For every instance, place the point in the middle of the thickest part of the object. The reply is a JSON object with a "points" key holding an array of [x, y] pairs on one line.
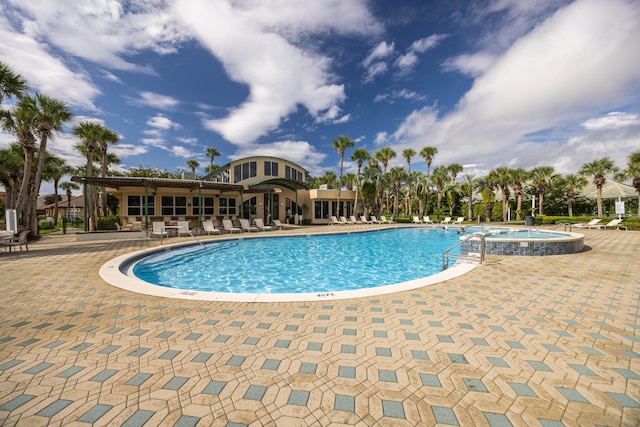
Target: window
{"points": [[321, 209], [250, 208], [341, 212], [245, 171], [173, 205], [135, 204], [227, 206], [208, 206], [270, 168], [292, 173]]}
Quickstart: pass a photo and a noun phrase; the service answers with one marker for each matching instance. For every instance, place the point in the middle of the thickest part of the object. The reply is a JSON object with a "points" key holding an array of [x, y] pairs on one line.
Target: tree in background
{"points": [[427, 154], [341, 144], [193, 165], [598, 170], [383, 155], [359, 155], [68, 187], [12, 84], [518, 177], [468, 186], [440, 179], [501, 176], [542, 177], [212, 153], [396, 176], [408, 153], [632, 172]]}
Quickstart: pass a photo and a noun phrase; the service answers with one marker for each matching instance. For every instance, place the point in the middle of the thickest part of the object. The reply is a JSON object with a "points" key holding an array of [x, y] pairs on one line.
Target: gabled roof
{"points": [[610, 190]]}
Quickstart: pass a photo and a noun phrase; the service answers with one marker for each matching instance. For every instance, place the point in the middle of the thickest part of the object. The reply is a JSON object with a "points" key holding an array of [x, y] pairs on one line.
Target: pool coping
{"points": [[111, 272]]}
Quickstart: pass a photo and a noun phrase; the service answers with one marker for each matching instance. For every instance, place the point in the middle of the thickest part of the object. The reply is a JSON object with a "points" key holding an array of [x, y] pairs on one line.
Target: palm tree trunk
{"points": [[599, 193]]}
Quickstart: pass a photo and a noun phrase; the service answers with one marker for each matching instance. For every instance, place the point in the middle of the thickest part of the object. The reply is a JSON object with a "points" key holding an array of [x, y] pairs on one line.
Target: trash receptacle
{"points": [[528, 221]]}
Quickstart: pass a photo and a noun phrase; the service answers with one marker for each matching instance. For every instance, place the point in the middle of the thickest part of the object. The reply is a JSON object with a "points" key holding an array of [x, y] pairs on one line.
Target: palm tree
{"points": [[109, 137], [632, 172], [408, 153], [486, 187], [67, 187], [454, 169], [193, 165], [349, 180], [341, 144], [420, 181], [501, 176], [50, 115], [11, 83], [383, 155], [90, 133], [21, 122], [599, 169], [542, 177], [468, 186], [211, 154], [440, 179], [373, 184], [359, 155], [397, 174], [11, 160], [427, 154], [570, 183], [518, 177], [55, 169]]}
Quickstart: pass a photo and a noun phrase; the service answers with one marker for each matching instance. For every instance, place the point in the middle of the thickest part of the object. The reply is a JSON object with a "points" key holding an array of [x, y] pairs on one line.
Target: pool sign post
{"points": [[619, 208]]}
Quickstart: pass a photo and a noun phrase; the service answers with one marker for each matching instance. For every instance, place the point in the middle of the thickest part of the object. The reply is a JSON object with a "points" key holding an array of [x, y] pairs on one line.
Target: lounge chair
{"points": [[384, 220], [19, 241], [158, 229], [427, 220], [354, 220], [335, 221], [183, 228], [209, 228], [375, 220], [364, 220], [244, 224], [344, 220], [460, 220], [447, 220], [614, 223], [416, 220], [591, 224], [260, 224], [282, 226], [228, 226]]}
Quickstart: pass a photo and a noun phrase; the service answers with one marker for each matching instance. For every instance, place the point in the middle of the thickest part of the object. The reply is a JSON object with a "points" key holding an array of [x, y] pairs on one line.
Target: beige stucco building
{"points": [[253, 187]]}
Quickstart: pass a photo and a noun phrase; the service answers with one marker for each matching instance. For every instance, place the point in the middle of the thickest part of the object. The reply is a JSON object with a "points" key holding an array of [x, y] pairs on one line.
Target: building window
{"points": [[208, 206], [250, 208], [227, 206], [135, 205], [245, 171], [321, 209], [173, 205], [293, 174], [270, 168]]}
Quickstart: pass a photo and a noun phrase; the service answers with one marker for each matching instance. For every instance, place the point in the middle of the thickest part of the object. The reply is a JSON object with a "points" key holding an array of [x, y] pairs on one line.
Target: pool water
{"points": [[301, 264]]}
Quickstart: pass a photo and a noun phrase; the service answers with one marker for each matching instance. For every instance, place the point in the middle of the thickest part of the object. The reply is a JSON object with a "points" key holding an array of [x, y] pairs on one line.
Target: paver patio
{"points": [[522, 341]]}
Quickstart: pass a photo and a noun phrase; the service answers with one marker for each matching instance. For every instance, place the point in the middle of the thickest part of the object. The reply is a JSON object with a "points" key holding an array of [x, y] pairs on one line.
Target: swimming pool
{"points": [[278, 268]]}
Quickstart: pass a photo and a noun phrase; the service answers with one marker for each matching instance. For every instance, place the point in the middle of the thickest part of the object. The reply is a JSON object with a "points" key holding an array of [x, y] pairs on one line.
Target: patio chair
{"points": [[158, 229], [343, 220], [334, 221], [260, 224], [427, 220], [354, 220], [384, 220], [209, 228], [183, 228], [446, 220], [416, 220], [375, 220], [282, 226], [460, 220], [19, 241], [591, 224], [228, 226], [363, 219], [244, 224], [614, 223]]}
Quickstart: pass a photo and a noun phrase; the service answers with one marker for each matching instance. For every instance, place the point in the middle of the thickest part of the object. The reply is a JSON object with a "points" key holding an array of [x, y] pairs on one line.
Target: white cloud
{"points": [[408, 61], [186, 140], [256, 44], [613, 120], [529, 103], [183, 152], [162, 122], [472, 65], [375, 70], [424, 44], [399, 94], [154, 100], [154, 142], [381, 51]]}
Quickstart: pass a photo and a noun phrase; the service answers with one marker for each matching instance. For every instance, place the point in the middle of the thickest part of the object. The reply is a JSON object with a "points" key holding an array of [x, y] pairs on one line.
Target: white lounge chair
{"points": [[282, 226], [209, 228], [427, 220], [19, 241], [343, 220], [614, 223], [158, 229], [183, 228], [591, 224], [446, 220], [228, 226], [375, 220], [335, 220], [460, 220], [260, 224], [416, 220], [364, 220], [244, 224], [384, 220], [354, 220]]}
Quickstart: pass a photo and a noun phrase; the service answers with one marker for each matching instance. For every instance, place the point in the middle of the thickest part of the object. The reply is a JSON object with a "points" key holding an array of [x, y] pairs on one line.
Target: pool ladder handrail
{"points": [[479, 258], [194, 238]]}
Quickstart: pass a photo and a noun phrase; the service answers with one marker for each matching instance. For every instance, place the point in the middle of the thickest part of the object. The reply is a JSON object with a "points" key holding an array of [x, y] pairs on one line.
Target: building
{"points": [[254, 187]]}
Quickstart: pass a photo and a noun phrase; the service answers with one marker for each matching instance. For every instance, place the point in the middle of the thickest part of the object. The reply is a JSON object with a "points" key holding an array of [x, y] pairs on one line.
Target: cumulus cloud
{"points": [[580, 61], [154, 100], [257, 43], [472, 65], [300, 152], [162, 122], [382, 51]]}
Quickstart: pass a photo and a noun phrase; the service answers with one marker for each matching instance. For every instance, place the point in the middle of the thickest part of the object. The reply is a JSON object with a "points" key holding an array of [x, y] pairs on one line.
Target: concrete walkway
{"points": [[523, 341]]}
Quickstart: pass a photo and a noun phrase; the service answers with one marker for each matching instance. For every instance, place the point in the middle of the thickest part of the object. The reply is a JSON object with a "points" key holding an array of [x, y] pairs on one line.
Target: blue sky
{"points": [[489, 83]]}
